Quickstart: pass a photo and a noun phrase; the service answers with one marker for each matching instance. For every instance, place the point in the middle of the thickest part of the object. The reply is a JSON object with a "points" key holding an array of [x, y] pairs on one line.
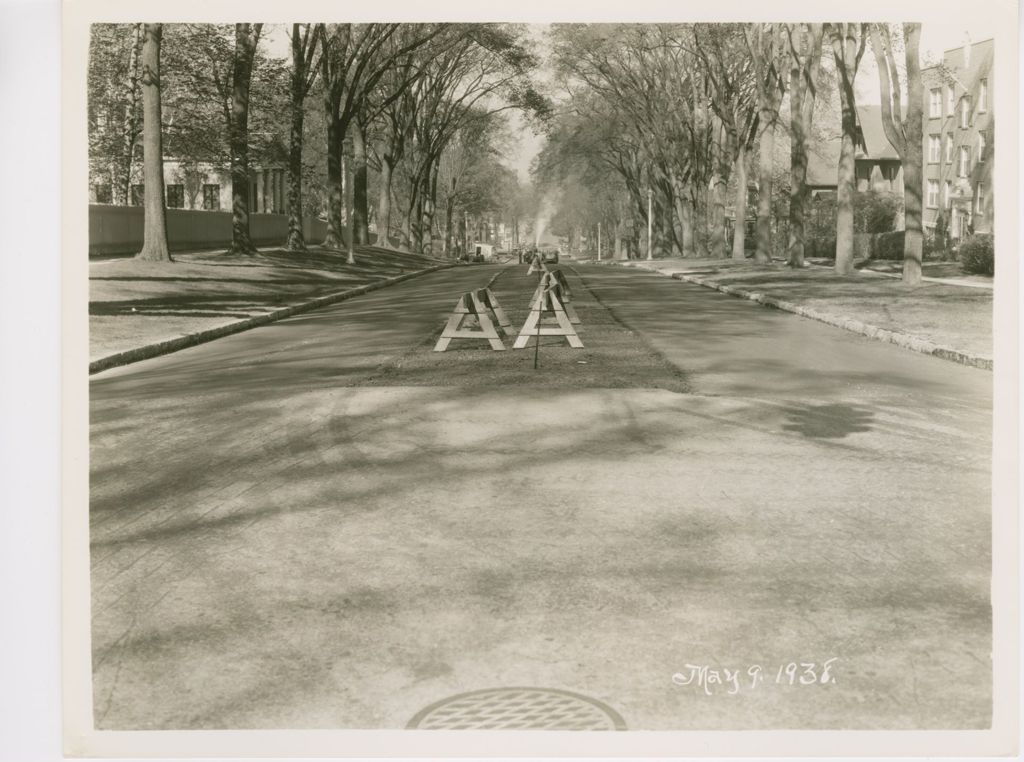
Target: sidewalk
{"points": [[134, 304], [953, 321]]}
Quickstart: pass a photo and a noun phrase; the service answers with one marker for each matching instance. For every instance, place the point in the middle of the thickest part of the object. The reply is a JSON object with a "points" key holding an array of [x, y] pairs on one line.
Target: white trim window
{"points": [[933, 194], [935, 104], [949, 147], [948, 195], [964, 163], [934, 149], [965, 112], [981, 147], [983, 96], [980, 201], [950, 99]]}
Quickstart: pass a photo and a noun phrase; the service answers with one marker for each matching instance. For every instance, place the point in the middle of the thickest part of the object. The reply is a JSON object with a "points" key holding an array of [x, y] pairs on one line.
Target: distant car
{"points": [[550, 257]]}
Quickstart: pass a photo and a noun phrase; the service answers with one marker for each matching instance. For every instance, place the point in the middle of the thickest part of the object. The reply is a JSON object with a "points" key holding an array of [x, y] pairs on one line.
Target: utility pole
{"points": [[598, 241], [650, 219]]}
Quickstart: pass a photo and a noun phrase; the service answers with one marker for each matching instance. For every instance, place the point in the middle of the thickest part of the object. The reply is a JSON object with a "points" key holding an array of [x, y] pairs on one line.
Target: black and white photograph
{"points": [[541, 377]]}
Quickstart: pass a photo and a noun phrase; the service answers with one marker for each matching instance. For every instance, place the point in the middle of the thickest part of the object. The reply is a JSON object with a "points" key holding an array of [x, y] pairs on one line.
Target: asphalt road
{"points": [[278, 543]]}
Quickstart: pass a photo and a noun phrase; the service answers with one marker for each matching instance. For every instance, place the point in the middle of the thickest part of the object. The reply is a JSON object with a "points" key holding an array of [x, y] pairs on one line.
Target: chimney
{"points": [[967, 51]]}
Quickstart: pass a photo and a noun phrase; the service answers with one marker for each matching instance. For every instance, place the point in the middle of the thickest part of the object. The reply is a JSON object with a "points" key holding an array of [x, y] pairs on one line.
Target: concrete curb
{"points": [[904, 340], [201, 337]]}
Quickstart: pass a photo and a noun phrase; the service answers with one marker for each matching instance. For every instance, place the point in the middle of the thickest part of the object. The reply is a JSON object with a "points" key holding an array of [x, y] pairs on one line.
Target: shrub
{"points": [[875, 212], [889, 245], [977, 254], [823, 247], [935, 247]]}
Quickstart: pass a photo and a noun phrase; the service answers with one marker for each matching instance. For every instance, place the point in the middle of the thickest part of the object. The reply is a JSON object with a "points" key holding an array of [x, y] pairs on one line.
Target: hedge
{"points": [[977, 254]]}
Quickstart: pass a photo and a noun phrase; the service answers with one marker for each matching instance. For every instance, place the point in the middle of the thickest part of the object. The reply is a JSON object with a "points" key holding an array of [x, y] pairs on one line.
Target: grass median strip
{"points": [[613, 355]]}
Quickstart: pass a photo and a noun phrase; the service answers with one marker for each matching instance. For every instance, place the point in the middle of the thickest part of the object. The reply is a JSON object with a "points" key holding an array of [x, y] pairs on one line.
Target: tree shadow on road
{"points": [[829, 421]]}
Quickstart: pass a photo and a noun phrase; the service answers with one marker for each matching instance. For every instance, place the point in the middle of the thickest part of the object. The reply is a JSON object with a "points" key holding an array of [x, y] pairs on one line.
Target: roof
{"points": [[823, 157]]}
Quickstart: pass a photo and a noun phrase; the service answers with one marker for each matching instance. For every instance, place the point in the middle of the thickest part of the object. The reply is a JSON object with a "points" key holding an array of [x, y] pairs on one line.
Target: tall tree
{"points": [[305, 44], [246, 38], [848, 41], [115, 113], [721, 51], [765, 43], [804, 42], [905, 133], [355, 58], [154, 242]]}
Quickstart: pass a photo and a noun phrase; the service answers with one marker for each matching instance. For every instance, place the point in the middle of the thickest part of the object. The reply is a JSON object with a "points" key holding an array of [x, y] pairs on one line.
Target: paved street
{"points": [[282, 540]]}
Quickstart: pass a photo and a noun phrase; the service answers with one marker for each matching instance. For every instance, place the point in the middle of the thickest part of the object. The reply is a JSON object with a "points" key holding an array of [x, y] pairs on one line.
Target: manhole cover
{"points": [[518, 709]]}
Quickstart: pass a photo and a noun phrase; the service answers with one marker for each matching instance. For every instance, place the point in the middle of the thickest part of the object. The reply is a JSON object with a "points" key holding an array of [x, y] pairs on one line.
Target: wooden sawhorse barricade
{"points": [[566, 295], [481, 304], [548, 300]]}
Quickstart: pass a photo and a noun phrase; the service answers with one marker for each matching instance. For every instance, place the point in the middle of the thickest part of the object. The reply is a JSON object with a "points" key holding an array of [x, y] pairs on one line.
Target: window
{"points": [[138, 194], [949, 147], [981, 147], [981, 200], [935, 104], [211, 197], [948, 197], [983, 96], [965, 112], [933, 194], [934, 149], [175, 196], [950, 100], [103, 194], [965, 161]]}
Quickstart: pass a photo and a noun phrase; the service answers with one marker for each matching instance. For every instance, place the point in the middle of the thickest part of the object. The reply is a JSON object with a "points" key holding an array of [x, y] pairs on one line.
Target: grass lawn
{"points": [[134, 303], [953, 316]]}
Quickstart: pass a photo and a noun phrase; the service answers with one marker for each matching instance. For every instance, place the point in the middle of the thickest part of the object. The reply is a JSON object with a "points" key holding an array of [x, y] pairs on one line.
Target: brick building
{"points": [[958, 140]]}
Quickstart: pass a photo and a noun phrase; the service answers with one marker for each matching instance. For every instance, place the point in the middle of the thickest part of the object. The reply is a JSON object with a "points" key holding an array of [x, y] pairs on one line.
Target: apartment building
{"points": [[958, 140]]}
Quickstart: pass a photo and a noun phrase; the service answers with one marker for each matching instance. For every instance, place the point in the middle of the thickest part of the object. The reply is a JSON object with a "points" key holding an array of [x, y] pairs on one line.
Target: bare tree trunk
{"points": [[384, 202], [845, 186], [848, 44], [740, 228], [296, 238], [335, 198], [154, 242], [913, 160], [427, 218], [246, 36], [805, 65], [766, 157], [360, 202], [449, 212], [130, 126], [718, 242], [798, 171], [686, 224]]}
